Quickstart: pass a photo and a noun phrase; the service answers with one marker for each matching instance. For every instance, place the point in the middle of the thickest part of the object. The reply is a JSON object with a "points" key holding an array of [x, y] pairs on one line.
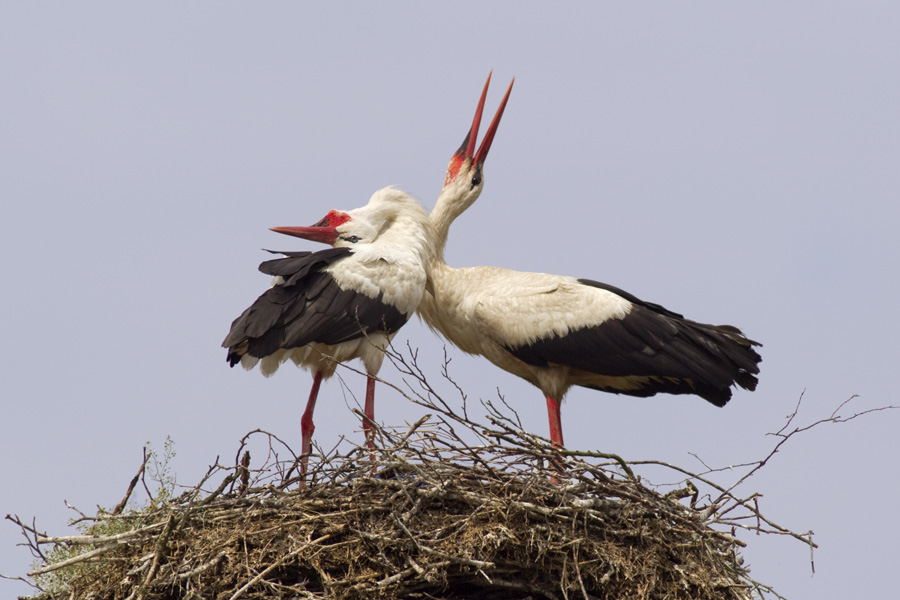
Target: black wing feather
{"points": [[672, 354], [309, 306]]}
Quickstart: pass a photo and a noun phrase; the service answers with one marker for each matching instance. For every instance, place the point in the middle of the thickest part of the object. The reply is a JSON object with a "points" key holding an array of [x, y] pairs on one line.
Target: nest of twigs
{"points": [[448, 509]]}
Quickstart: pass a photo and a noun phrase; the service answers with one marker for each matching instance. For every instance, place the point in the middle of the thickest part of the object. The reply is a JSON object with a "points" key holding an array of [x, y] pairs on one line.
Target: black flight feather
{"points": [[655, 347], [308, 307]]}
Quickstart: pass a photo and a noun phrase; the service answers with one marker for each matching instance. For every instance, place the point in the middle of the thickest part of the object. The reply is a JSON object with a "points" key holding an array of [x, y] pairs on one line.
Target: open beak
{"points": [[492, 130], [325, 231], [467, 149]]}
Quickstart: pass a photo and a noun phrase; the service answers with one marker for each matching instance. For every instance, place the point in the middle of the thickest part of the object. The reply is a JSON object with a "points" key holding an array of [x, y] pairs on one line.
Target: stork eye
{"points": [[476, 179], [351, 238]]}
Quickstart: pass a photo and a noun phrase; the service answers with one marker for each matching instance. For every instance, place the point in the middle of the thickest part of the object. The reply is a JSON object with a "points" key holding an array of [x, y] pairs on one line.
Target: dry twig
{"points": [[455, 508]]}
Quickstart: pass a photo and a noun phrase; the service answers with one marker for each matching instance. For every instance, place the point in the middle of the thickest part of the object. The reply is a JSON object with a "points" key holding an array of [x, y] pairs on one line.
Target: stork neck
{"points": [[442, 221], [455, 198]]}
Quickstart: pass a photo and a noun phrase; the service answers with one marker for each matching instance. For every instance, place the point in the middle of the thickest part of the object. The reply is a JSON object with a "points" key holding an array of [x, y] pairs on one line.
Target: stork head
{"points": [[465, 177], [392, 218], [325, 231]]}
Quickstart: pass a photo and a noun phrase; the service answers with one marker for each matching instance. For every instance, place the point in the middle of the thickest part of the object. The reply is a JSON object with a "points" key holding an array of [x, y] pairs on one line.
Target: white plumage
{"points": [[488, 310], [342, 303], [556, 332], [551, 330]]}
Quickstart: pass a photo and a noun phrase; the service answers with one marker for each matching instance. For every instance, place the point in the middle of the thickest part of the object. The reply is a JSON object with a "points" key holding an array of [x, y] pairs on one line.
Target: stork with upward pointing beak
{"points": [[557, 332]]}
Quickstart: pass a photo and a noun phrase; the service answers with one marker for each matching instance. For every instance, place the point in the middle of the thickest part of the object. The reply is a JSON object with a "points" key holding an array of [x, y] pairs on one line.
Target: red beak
{"points": [[467, 149], [492, 130], [325, 231], [326, 235]]}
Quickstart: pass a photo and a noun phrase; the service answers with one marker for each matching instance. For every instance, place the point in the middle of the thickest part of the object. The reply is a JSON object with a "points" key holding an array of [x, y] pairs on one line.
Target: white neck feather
{"points": [[455, 198]]}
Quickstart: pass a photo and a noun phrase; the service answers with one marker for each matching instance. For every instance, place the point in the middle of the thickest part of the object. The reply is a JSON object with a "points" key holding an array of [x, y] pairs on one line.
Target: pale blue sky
{"points": [[738, 164]]}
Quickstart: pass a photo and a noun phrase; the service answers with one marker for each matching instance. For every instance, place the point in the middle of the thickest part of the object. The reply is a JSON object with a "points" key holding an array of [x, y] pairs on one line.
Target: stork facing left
{"points": [[346, 302]]}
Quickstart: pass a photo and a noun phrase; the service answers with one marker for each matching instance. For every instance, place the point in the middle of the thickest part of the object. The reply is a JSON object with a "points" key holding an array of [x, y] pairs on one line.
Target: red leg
{"points": [[556, 435], [307, 427], [369, 418]]}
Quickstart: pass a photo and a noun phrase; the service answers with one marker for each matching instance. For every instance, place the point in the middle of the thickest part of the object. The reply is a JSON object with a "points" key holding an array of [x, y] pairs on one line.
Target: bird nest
{"points": [[449, 508]]}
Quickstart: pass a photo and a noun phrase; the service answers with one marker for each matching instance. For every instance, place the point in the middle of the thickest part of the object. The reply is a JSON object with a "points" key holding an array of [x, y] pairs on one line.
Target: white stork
{"points": [[556, 331], [341, 303]]}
